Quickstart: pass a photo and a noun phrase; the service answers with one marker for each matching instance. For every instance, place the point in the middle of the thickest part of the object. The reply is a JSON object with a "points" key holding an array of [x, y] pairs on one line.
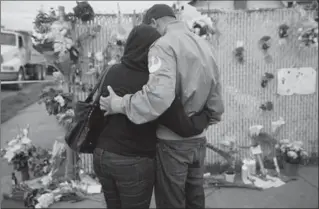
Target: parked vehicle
{"points": [[19, 60]]}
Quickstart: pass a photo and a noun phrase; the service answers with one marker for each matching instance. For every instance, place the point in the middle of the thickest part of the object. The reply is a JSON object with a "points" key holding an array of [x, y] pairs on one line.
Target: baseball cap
{"points": [[158, 11]]}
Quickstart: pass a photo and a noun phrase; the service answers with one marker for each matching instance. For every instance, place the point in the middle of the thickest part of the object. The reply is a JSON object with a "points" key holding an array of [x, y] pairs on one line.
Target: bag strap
{"points": [[97, 86], [100, 87]]}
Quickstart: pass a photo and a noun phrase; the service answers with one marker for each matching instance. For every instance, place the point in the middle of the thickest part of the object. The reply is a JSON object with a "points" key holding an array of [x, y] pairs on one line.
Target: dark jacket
{"points": [[120, 135]]}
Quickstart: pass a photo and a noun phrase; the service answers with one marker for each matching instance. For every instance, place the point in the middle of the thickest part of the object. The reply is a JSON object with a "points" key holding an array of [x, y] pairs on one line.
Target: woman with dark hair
{"points": [[124, 158]]}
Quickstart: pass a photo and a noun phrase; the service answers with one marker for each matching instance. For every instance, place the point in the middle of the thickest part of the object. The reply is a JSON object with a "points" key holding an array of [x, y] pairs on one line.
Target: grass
{"points": [[11, 105]]}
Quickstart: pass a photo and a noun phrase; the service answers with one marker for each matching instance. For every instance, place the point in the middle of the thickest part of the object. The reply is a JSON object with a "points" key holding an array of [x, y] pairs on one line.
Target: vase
{"points": [[25, 175], [230, 177], [291, 169]]}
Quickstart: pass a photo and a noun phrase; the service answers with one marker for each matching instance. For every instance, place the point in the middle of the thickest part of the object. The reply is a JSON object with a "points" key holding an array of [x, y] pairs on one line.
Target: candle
{"points": [[251, 165]]}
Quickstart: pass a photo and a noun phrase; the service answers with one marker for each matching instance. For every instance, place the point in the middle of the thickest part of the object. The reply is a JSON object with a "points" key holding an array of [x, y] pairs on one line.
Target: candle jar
{"points": [[251, 165]]}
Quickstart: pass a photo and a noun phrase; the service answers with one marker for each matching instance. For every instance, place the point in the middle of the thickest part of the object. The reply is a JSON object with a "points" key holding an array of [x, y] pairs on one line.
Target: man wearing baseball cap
{"points": [[180, 64]]}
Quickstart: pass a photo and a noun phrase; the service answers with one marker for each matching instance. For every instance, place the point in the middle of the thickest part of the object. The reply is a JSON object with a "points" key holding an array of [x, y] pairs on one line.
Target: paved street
{"points": [[44, 130], [7, 91]]}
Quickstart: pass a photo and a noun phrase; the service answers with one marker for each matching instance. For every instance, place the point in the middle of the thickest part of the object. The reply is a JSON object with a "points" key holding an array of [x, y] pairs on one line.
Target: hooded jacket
{"points": [[120, 135], [180, 63]]}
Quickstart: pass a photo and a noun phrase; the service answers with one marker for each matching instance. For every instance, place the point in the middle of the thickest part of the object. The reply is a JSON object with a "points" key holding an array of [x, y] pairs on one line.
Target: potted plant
{"points": [[227, 152], [230, 174], [291, 153], [229, 147]]}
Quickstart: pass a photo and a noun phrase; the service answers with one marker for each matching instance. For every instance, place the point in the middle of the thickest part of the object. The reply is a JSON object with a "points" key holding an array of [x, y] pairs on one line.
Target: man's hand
{"points": [[111, 104]]}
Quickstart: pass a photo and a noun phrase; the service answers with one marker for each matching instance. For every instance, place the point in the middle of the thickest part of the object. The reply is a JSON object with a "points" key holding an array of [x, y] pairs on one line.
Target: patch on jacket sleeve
{"points": [[154, 64]]}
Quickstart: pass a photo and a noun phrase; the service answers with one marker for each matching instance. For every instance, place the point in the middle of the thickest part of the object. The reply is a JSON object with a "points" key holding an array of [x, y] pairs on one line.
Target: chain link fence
{"points": [[242, 89]]}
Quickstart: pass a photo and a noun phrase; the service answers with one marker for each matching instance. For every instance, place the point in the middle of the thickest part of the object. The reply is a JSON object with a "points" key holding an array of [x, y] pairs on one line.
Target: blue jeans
{"points": [[179, 173], [127, 182]]}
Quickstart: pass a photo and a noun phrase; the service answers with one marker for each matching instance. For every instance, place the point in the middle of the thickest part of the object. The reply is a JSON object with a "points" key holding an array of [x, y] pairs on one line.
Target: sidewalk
{"points": [[44, 131], [297, 194]]}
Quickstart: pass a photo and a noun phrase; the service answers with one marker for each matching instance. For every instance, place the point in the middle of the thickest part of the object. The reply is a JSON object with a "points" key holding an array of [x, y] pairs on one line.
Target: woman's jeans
{"points": [[127, 182]]}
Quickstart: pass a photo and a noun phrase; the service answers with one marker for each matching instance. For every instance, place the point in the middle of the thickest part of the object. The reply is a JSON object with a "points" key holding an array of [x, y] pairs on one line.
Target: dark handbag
{"points": [[88, 122]]}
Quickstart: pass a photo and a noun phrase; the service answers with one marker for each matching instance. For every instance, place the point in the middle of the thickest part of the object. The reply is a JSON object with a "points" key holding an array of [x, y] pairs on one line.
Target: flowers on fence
{"points": [[59, 104], [52, 36], [266, 78], [96, 63], [309, 37], [277, 125], [83, 11], [268, 106], [307, 28], [283, 31], [291, 151], [202, 25], [43, 22], [264, 45], [239, 52]]}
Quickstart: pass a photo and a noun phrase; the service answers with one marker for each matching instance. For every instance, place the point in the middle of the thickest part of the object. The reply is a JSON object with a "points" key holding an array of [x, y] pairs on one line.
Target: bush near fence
{"points": [[241, 83]]}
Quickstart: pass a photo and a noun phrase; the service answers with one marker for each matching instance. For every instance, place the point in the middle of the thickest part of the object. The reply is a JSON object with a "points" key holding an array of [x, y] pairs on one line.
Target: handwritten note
{"points": [[256, 150], [297, 81]]}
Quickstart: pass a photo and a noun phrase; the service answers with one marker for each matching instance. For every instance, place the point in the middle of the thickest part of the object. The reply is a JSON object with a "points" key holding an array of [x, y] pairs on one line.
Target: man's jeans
{"points": [[179, 174], [127, 182]]}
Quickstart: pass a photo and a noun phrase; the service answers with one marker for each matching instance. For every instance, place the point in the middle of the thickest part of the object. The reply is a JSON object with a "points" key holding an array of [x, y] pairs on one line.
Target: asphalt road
{"points": [[7, 91]]}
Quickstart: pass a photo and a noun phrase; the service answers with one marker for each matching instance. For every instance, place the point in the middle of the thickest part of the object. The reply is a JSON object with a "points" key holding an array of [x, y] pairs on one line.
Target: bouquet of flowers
{"points": [[307, 29], [59, 104], [44, 197], [39, 161], [83, 11], [309, 37], [18, 150], [291, 151], [52, 37], [60, 189], [26, 157], [201, 25], [58, 156], [43, 22], [44, 163]]}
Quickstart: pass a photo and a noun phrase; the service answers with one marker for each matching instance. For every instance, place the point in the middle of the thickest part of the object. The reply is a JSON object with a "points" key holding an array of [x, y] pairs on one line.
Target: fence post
{"points": [[71, 156], [134, 18]]}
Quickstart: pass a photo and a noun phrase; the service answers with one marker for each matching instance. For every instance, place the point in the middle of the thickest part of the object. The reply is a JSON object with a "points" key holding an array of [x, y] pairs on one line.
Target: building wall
{"points": [[230, 5]]}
